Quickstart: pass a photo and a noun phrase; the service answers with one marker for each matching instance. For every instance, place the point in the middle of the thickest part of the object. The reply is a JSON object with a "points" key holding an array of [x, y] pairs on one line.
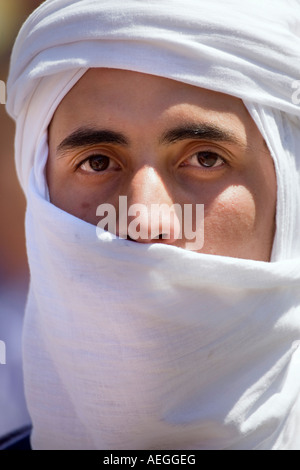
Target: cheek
{"points": [[67, 195], [230, 221]]}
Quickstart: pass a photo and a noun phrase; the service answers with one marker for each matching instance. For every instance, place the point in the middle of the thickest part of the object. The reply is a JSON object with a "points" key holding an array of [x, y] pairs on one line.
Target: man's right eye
{"points": [[97, 163]]}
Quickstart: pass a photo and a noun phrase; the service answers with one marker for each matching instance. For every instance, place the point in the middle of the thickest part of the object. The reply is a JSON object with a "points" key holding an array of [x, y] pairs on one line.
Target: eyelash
{"points": [[91, 158], [203, 153], [196, 155]]}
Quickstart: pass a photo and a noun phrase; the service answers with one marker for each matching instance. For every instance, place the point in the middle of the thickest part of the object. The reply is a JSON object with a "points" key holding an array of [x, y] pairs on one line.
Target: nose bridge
{"points": [[145, 222], [147, 187]]}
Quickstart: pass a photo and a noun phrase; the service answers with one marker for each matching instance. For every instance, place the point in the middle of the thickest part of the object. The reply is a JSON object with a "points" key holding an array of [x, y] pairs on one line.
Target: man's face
{"points": [[158, 141]]}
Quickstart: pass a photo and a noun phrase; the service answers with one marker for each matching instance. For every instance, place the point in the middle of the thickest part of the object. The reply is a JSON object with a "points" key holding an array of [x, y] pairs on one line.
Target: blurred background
{"points": [[14, 275]]}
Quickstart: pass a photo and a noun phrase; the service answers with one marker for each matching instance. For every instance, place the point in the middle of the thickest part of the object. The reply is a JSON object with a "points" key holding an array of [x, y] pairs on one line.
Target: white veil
{"points": [[139, 347]]}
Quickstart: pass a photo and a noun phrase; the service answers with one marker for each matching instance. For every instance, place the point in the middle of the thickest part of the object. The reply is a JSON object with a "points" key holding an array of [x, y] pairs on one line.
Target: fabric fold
{"points": [[132, 346]]}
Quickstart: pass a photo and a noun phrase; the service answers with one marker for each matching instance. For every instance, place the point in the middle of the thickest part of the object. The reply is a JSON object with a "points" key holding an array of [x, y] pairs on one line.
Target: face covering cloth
{"points": [[132, 346]]}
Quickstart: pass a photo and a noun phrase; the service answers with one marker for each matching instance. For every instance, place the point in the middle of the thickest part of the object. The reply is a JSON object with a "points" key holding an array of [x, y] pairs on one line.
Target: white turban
{"points": [[191, 351]]}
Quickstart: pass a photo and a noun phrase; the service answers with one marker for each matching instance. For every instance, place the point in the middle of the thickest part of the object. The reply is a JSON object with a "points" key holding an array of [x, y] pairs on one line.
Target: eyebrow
{"points": [[201, 132], [86, 136]]}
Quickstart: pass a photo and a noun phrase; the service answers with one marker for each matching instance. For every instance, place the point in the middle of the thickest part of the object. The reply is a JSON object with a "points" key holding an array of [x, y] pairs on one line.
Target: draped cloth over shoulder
{"points": [[147, 347]]}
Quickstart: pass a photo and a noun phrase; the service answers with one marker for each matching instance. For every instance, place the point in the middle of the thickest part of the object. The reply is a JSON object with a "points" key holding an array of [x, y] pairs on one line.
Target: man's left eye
{"points": [[206, 160]]}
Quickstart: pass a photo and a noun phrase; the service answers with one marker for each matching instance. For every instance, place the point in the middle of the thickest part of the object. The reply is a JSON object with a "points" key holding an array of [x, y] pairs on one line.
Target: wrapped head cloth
{"points": [[211, 360]]}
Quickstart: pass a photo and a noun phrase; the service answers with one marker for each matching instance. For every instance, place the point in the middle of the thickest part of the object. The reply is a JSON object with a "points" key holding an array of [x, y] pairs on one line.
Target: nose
{"points": [[147, 213]]}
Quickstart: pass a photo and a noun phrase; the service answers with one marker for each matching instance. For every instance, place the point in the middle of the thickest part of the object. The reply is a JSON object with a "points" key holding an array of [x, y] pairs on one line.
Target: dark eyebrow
{"points": [[85, 136], [201, 132]]}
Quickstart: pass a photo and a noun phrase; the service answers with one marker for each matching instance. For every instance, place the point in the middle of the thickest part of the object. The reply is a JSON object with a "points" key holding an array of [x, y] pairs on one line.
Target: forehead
{"points": [[123, 98]]}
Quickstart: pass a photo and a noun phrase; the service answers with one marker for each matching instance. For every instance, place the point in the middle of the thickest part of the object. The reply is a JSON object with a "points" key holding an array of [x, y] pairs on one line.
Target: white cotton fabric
{"points": [[132, 346]]}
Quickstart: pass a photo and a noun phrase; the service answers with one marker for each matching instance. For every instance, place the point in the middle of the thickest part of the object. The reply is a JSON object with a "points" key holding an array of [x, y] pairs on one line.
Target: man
{"points": [[152, 140], [134, 337]]}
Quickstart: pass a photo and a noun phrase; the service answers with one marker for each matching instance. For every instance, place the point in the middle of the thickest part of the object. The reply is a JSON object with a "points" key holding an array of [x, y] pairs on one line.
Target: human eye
{"points": [[205, 159], [97, 163]]}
